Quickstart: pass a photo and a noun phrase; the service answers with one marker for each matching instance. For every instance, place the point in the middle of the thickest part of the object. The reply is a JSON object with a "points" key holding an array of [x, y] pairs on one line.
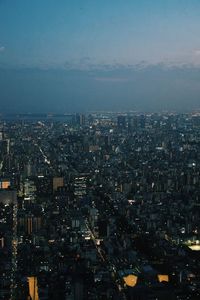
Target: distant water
{"points": [[37, 117]]}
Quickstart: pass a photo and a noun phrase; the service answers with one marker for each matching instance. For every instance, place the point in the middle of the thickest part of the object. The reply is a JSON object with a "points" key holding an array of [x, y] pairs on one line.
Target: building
{"points": [[58, 182]]}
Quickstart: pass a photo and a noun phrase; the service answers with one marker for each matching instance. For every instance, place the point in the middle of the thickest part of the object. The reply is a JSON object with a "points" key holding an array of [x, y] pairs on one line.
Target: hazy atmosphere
{"points": [[89, 55]]}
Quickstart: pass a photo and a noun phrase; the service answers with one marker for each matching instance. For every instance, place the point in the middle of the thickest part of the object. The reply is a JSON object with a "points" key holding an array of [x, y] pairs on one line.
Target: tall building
{"points": [[8, 197], [29, 224], [121, 122], [80, 185], [80, 119]]}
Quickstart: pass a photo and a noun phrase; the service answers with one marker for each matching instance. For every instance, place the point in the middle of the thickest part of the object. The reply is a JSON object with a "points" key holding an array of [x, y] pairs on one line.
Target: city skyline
{"points": [[100, 206]]}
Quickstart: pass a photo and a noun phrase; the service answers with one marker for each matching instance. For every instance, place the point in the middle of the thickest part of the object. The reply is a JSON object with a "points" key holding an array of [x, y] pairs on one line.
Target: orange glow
{"points": [[33, 288], [162, 278], [130, 280], [5, 184], [30, 225]]}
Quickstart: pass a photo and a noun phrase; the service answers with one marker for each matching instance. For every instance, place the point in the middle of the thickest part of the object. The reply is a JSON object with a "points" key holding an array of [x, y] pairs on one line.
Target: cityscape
{"points": [[102, 205], [99, 150]]}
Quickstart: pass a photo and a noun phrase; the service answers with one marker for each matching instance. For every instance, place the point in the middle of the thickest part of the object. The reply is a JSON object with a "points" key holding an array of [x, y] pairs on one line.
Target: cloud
{"points": [[2, 48], [112, 79], [197, 52]]}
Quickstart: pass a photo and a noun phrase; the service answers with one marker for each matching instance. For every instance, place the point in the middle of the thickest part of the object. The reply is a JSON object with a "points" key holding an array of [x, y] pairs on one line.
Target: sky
{"points": [[83, 55]]}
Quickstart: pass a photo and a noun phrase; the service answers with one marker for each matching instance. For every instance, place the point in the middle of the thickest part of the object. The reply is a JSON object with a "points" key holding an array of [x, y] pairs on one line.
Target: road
{"points": [[14, 253], [111, 267]]}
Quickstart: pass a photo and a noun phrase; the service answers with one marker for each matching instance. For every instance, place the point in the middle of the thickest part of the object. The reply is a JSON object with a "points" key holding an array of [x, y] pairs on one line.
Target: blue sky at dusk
{"points": [[109, 45]]}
